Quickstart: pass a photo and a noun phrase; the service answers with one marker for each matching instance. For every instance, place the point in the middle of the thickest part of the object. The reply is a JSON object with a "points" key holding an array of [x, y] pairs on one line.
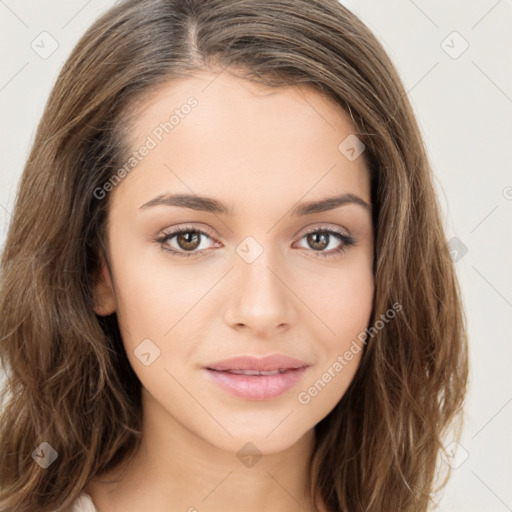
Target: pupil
{"points": [[318, 240], [188, 240]]}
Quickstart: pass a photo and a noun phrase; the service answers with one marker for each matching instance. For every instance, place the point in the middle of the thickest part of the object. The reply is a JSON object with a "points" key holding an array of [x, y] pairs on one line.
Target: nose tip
{"points": [[259, 299]]}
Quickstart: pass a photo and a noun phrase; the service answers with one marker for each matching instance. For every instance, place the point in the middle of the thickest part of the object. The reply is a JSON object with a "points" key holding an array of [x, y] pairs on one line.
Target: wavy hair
{"points": [[68, 380]]}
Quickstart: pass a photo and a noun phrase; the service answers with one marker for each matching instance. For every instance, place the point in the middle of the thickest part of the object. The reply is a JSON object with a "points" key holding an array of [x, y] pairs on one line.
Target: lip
{"points": [[288, 372], [257, 387]]}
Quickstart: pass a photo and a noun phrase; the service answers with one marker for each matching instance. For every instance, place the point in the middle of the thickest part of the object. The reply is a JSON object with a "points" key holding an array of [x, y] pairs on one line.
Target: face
{"points": [[243, 263]]}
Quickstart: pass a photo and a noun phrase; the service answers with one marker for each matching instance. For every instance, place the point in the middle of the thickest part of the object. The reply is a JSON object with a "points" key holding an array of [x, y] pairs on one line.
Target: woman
{"points": [[226, 284]]}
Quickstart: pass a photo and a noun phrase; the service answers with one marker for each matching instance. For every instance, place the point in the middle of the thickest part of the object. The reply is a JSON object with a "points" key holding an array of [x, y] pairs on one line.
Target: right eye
{"points": [[186, 241]]}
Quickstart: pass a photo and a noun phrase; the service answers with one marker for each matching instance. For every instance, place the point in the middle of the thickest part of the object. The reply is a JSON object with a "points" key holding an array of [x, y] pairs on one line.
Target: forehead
{"points": [[209, 132]]}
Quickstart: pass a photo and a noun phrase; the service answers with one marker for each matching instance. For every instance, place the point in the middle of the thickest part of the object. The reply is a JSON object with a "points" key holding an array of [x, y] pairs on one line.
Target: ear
{"points": [[104, 296]]}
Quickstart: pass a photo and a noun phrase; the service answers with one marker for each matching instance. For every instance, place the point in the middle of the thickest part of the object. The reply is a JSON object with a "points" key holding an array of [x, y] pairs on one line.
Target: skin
{"points": [[260, 151]]}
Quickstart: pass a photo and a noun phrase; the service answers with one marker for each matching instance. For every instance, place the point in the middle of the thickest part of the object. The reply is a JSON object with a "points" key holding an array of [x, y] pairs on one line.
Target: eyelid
{"points": [[326, 227], [185, 228]]}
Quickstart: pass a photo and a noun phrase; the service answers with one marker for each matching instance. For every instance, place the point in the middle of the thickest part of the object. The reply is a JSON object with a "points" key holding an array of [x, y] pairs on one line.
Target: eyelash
{"points": [[347, 241]]}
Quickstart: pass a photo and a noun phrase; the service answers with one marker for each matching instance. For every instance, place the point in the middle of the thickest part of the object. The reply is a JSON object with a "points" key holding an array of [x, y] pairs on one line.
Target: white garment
{"points": [[83, 503]]}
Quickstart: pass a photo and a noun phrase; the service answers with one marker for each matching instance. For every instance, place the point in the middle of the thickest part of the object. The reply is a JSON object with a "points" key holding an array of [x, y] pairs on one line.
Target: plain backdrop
{"points": [[454, 59]]}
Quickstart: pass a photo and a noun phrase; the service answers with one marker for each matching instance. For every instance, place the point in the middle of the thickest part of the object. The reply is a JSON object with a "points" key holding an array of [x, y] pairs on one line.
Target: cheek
{"points": [[154, 297], [342, 306], [155, 306], [340, 300]]}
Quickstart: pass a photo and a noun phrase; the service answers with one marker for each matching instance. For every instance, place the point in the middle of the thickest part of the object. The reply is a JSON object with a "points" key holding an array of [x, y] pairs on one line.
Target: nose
{"points": [[260, 300]]}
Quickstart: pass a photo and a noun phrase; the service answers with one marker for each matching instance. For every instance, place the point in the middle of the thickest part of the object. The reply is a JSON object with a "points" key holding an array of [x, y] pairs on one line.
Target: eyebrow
{"points": [[210, 205]]}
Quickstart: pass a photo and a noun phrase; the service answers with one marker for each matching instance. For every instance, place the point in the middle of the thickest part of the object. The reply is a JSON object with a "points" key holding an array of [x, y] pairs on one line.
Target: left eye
{"points": [[327, 241]]}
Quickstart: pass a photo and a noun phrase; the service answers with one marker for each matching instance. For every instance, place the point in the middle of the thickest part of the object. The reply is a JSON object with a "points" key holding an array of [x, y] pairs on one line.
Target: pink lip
{"points": [[266, 363], [257, 387]]}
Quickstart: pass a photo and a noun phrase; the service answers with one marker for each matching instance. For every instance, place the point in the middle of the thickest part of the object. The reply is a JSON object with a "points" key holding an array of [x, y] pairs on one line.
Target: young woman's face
{"points": [[258, 269]]}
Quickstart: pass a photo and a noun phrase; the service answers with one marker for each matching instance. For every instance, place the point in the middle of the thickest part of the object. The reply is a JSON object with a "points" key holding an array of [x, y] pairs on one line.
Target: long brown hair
{"points": [[69, 382]]}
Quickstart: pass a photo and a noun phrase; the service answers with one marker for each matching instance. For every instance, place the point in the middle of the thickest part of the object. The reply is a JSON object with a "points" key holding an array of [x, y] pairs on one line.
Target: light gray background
{"points": [[464, 108]]}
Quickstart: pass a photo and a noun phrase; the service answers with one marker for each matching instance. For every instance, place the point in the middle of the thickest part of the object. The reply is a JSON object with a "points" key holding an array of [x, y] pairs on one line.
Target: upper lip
{"points": [[266, 363]]}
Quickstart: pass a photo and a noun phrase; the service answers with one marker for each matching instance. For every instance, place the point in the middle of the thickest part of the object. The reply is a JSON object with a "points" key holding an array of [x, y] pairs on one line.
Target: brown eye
{"points": [[327, 242], [189, 240], [184, 241], [318, 241]]}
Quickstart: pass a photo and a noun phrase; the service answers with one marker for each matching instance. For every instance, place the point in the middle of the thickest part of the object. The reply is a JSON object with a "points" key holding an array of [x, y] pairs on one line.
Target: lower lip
{"points": [[257, 387]]}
